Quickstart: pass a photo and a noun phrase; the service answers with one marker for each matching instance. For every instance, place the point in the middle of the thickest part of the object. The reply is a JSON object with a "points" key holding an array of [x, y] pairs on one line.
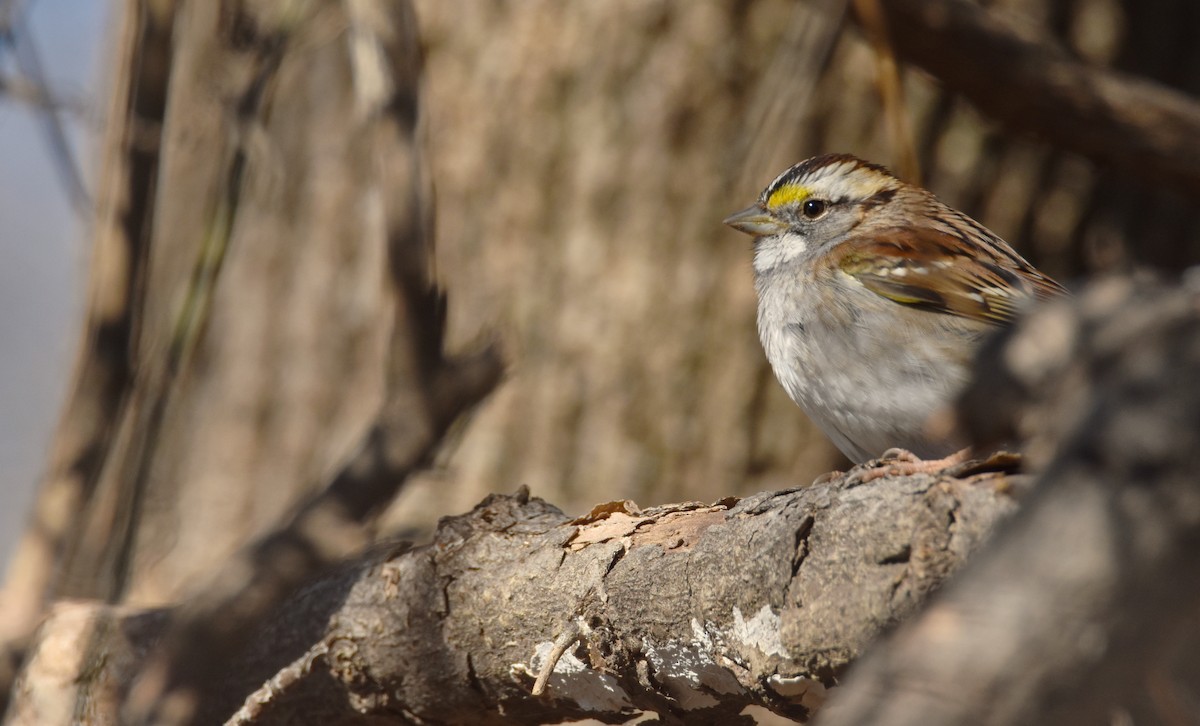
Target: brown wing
{"points": [[958, 275]]}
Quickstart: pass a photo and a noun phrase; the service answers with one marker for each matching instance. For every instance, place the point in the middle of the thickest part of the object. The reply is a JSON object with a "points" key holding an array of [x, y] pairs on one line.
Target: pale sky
{"points": [[42, 249]]}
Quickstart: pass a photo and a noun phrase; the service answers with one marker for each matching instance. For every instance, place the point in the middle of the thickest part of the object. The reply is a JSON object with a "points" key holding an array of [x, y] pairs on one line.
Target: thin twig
{"points": [[19, 37], [570, 635], [277, 685]]}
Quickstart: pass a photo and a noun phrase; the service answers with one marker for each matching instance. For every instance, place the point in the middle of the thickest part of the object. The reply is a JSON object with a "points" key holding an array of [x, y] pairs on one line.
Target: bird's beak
{"points": [[754, 220]]}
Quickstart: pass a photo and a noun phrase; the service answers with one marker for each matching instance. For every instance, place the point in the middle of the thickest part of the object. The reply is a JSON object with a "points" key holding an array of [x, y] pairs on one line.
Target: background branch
{"points": [[1033, 86]]}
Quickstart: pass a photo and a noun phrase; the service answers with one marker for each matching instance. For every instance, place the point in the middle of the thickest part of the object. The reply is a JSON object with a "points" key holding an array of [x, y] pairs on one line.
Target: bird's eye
{"points": [[813, 208]]}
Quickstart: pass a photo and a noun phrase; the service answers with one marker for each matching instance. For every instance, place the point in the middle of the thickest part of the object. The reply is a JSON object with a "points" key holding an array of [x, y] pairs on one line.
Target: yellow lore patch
{"points": [[786, 195]]}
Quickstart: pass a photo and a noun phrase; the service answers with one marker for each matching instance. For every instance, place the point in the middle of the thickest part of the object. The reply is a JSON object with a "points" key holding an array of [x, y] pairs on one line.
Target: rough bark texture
{"points": [[692, 611]]}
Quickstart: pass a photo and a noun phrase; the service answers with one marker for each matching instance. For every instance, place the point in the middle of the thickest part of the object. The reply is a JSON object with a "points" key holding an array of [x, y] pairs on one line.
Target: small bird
{"points": [[873, 297]]}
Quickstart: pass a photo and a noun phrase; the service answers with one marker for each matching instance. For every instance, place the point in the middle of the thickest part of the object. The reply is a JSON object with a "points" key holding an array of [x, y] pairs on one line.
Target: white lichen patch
{"points": [[701, 637], [568, 663], [760, 632], [574, 680], [688, 672]]}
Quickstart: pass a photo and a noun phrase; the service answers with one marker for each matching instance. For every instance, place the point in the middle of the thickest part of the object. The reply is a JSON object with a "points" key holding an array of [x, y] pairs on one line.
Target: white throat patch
{"points": [[778, 250]]}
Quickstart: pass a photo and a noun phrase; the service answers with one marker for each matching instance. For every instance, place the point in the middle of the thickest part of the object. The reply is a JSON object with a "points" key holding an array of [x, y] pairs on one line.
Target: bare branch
{"points": [[1035, 87], [688, 610], [34, 86]]}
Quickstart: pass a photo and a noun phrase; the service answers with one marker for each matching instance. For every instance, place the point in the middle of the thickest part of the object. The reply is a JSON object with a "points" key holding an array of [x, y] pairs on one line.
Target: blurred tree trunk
{"points": [[258, 353], [246, 213], [585, 155], [103, 372]]}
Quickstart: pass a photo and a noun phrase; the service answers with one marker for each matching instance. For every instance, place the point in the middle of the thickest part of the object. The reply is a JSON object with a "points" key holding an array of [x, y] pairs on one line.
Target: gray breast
{"points": [[867, 371]]}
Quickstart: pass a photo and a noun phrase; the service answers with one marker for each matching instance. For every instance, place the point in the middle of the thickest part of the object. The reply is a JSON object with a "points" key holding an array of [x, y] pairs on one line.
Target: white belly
{"points": [[869, 386]]}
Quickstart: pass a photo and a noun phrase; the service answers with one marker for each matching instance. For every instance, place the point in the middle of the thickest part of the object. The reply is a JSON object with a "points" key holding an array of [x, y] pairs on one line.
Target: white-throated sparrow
{"points": [[873, 296]]}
